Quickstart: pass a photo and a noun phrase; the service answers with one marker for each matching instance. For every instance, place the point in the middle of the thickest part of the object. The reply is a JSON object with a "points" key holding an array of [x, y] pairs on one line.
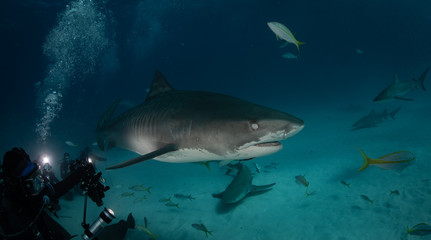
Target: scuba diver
{"points": [[65, 166], [25, 195], [47, 172]]}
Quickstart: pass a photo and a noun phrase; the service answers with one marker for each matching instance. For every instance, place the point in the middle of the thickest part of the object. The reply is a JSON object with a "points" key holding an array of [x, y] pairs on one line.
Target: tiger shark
{"points": [[193, 126], [399, 88]]}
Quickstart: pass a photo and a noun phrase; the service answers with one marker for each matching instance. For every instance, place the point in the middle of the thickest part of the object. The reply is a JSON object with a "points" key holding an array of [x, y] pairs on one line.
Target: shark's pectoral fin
{"points": [[148, 156], [401, 98], [255, 188]]}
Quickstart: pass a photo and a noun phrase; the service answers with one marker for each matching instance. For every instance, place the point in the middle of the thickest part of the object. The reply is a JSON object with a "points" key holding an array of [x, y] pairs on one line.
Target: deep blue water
{"points": [[218, 46]]}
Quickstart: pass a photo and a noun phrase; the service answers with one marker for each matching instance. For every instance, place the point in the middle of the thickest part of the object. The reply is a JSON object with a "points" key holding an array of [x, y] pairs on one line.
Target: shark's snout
{"points": [[294, 129]]}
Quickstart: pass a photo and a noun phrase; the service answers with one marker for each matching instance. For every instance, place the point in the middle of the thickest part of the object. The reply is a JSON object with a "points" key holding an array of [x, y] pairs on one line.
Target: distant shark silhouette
{"points": [[399, 88], [240, 187], [372, 119], [192, 126]]}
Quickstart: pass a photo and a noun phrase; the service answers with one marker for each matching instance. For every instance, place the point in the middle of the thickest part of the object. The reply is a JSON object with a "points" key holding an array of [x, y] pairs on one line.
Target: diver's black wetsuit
{"points": [[25, 218]]}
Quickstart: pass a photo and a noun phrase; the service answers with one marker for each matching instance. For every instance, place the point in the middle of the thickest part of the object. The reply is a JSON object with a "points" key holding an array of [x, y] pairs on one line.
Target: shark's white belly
{"points": [[199, 155]]}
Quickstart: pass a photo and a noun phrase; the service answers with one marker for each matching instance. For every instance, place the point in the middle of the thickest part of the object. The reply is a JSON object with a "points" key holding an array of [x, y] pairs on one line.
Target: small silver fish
{"points": [[345, 183], [289, 55], [140, 188], [202, 228], [172, 204], [300, 179], [182, 196], [366, 198], [140, 199], [127, 194], [71, 144], [165, 199]]}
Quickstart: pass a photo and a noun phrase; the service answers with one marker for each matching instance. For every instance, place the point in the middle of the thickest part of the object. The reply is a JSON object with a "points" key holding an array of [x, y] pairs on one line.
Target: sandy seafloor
{"points": [[325, 152]]}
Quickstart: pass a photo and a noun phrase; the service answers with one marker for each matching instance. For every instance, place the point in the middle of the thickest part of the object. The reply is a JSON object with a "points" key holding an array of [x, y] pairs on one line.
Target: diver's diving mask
{"points": [[32, 179]]}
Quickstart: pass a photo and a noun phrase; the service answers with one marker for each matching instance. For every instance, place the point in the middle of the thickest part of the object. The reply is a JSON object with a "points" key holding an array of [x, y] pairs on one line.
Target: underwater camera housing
{"points": [[92, 183], [105, 217]]}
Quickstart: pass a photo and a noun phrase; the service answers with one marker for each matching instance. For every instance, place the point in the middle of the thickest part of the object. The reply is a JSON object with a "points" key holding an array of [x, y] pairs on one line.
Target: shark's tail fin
{"points": [[103, 121], [392, 114], [422, 78]]}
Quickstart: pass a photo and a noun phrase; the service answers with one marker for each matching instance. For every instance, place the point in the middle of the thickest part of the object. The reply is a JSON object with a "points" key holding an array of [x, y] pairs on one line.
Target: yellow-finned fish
{"points": [[202, 228], [140, 188], [282, 32], [300, 179], [145, 229], [69, 143], [394, 161]]}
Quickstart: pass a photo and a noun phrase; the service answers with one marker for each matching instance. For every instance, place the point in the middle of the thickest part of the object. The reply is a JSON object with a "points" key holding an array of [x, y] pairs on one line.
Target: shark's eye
{"points": [[254, 126]]}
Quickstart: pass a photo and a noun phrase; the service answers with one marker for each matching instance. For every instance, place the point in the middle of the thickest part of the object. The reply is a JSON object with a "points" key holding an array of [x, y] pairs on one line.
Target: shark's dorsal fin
{"points": [[396, 78], [159, 85]]}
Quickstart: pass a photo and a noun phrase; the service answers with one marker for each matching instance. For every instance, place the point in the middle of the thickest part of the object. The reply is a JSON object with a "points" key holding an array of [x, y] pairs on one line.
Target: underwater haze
{"points": [[63, 63]]}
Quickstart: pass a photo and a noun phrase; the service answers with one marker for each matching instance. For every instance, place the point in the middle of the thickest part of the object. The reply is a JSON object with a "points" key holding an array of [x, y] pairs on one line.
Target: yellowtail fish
{"points": [[300, 179], [394, 161], [140, 188], [421, 229], [202, 228], [69, 143], [366, 198], [282, 32], [127, 194], [345, 184], [144, 229], [172, 204], [140, 199], [165, 199], [182, 196]]}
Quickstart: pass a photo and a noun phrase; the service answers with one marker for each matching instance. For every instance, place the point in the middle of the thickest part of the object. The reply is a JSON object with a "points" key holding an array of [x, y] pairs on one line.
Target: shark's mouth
{"points": [[268, 144]]}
